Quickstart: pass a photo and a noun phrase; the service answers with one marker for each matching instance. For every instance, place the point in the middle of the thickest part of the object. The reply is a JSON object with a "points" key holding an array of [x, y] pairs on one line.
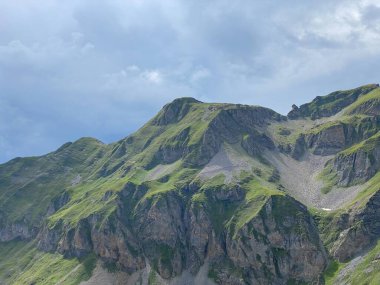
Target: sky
{"points": [[78, 68]]}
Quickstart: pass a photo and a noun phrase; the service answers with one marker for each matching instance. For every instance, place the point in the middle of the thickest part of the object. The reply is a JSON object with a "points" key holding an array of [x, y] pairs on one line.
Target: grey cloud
{"points": [[103, 68]]}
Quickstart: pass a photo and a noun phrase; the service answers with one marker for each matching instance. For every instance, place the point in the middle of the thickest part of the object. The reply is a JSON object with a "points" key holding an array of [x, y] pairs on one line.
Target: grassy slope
{"points": [[257, 195], [148, 140], [327, 220], [333, 102], [365, 146], [349, 117], [140, 152], [329, 176], [372, 97], [367, 271], [21, 263], [24, 181]]}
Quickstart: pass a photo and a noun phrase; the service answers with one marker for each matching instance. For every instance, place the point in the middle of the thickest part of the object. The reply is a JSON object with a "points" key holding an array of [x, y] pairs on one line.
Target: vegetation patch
{"points": [[329, 224], [329, 178], [372, 186], [257, 194], [371, 97], [366, 146], [21, 263], [364, 271]]}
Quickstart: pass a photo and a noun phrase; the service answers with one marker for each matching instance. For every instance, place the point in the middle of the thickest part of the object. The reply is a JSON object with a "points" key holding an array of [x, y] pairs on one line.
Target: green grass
{"points": [[286, 133], [328, 224], [354, 120], [329, 221], [175, 181], [332, 272], [366, 146], [257, 194], [152, 278], [371, 97], [372, 186], [21, 263], [25, 181], [102, 168], [219, 211], [366, 272], [188, 133], [87, 199], [334, 102], [329, 178]]}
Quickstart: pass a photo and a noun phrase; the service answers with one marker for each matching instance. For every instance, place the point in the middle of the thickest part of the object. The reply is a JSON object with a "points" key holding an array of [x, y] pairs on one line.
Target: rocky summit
{"points": [[204, 193]]}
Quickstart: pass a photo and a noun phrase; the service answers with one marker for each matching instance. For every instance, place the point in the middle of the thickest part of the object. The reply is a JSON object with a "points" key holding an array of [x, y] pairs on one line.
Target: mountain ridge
{"points": [[239, 190]]}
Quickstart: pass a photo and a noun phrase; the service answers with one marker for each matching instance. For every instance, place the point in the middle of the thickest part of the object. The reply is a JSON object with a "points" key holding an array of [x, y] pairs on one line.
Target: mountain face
{"points": [[204, 194]]}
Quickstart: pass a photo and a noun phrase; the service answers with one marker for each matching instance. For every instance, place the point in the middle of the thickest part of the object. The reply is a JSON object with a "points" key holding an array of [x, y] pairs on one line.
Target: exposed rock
{"points": [[256, 143], [330, 139], [269, 249], [13, 231], [175, 236], [370, 107], [357, 167], [299, 147], [362, 231], [58, 203], [227, 126]]}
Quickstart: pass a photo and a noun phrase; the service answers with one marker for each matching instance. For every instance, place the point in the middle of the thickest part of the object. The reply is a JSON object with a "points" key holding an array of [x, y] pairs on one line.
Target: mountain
{"points": [[204, 193]]}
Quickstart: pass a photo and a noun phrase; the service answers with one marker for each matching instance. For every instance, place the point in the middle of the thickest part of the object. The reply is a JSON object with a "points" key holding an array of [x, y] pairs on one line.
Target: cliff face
{"points": [[361, 231], [332, 137], [208, 189], [357, 165], [175, 235], [225, 124]]}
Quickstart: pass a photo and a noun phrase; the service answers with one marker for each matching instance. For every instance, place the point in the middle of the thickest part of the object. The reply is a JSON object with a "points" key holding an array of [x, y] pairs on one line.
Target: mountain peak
{"points": [[174, 111], [331, 104], [184, 100]]}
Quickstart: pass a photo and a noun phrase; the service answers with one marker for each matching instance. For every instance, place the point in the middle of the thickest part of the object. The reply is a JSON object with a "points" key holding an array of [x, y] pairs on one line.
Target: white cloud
{"points": [[153, 76]]}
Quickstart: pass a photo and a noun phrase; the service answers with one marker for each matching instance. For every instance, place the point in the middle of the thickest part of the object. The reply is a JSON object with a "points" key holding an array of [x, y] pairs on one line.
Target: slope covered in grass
{"points": [[27, 181], [21, 263]]}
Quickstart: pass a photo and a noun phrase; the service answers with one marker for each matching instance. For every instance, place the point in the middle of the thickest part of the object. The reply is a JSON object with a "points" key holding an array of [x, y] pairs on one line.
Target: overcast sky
{"points": [[102, 68]]}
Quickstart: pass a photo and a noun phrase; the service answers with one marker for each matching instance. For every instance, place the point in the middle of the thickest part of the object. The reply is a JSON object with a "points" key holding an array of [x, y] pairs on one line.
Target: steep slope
{"points": [[32, 188], [211, 192]]}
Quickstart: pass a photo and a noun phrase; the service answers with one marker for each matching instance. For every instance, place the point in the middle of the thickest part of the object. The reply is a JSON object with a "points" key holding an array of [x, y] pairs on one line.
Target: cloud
{"points": [[91, 68], [153, 76], [200, 74]]}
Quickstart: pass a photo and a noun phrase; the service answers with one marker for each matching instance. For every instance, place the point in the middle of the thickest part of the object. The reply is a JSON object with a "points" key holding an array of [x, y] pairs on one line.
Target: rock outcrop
{"points": [[361, 231], [356, 167], [331, 138]]}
